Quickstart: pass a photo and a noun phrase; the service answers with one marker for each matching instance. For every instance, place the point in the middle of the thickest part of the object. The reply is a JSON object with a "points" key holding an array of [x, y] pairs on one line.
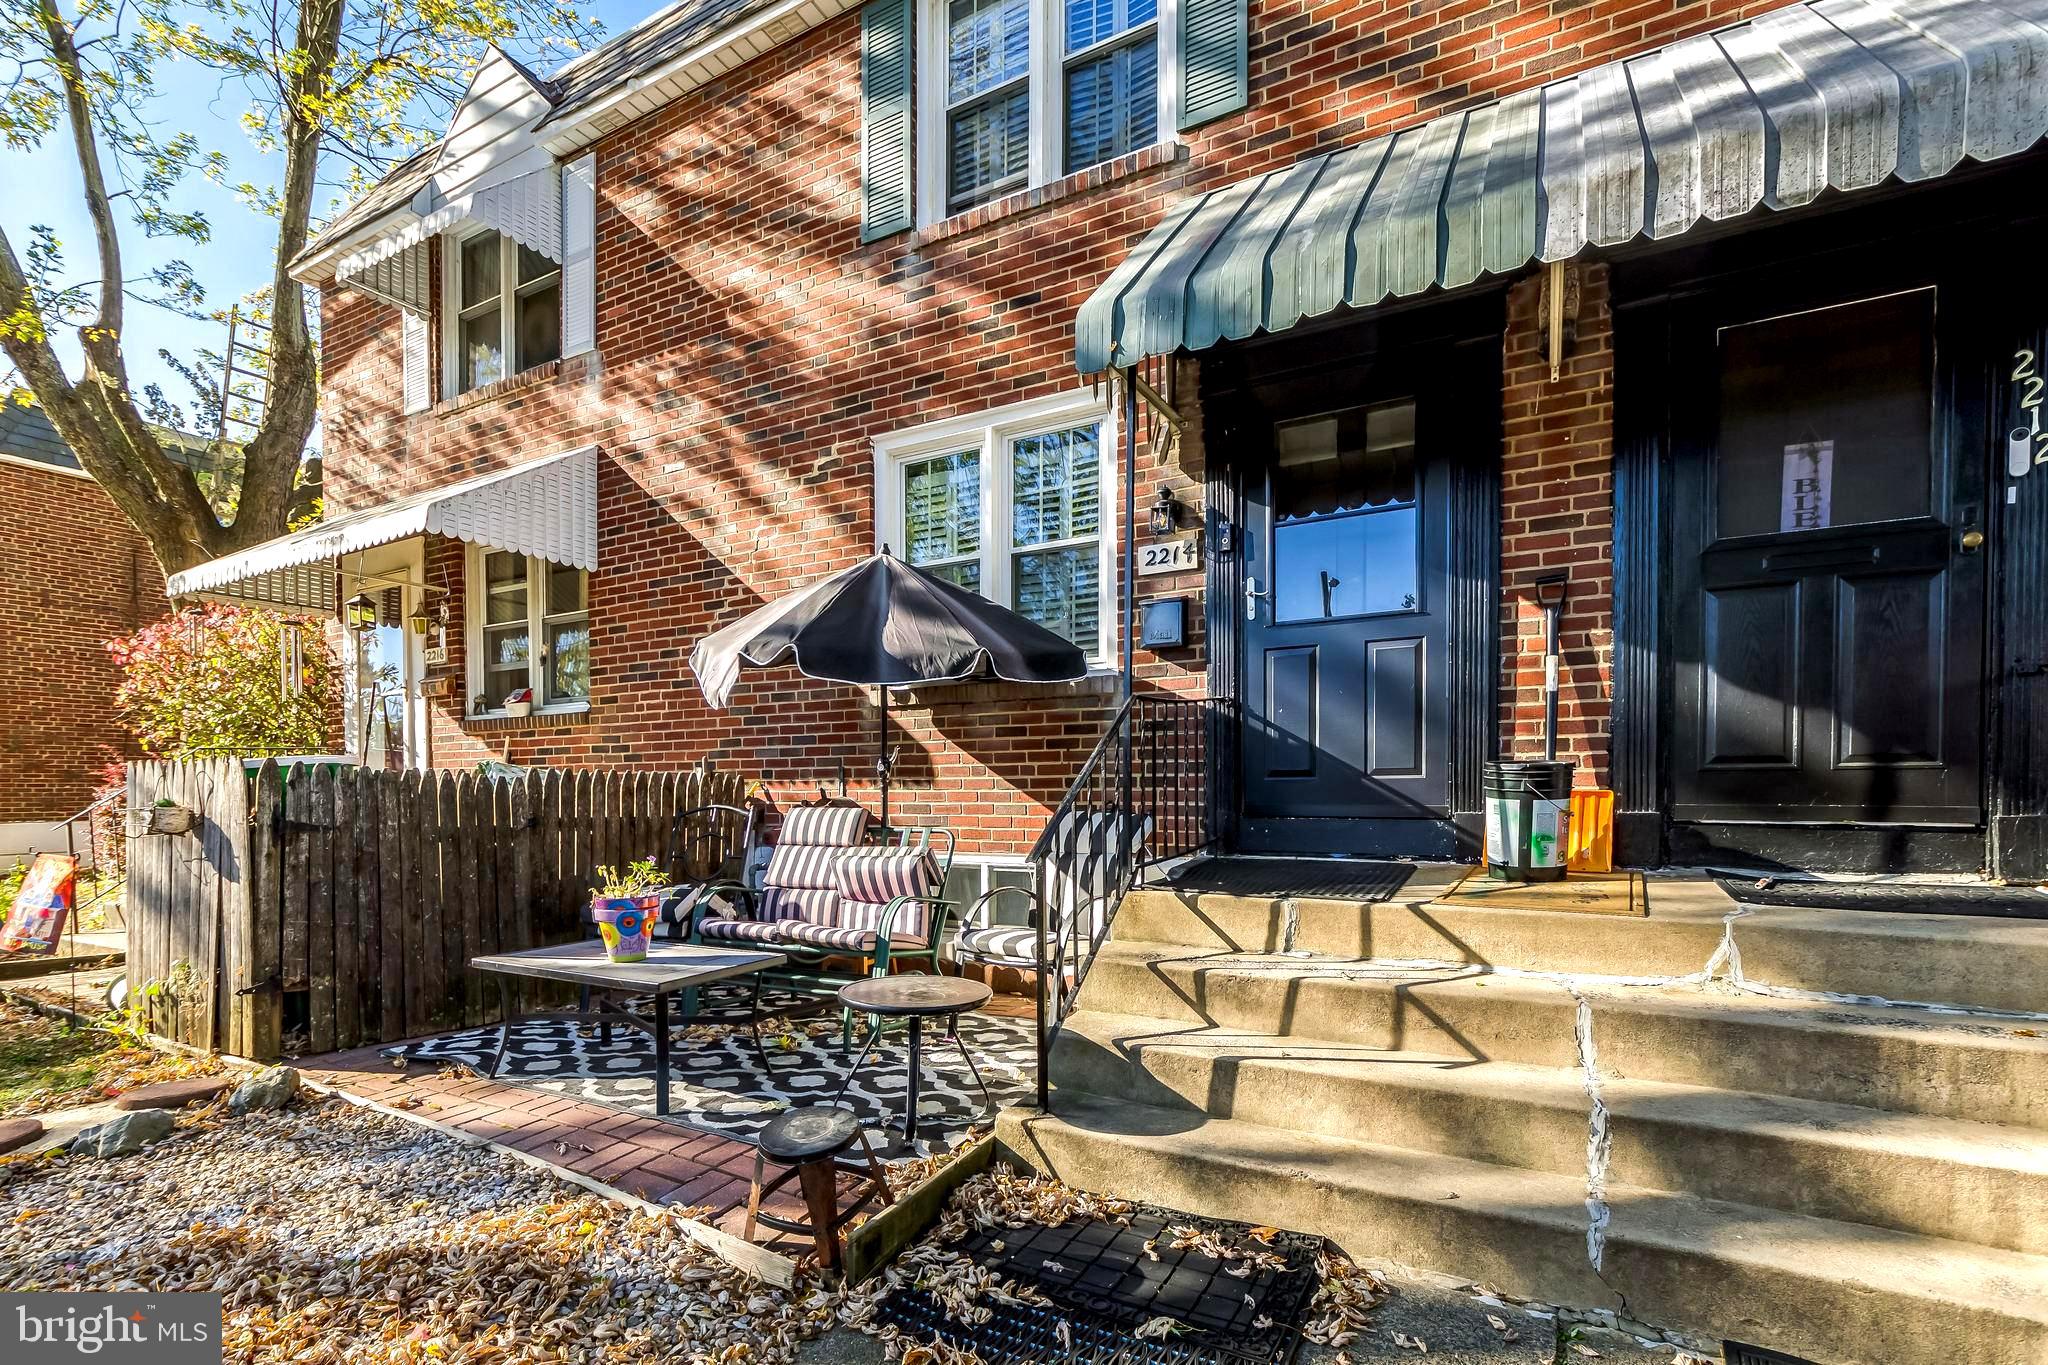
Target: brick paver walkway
{"points": [[664, 1162]]}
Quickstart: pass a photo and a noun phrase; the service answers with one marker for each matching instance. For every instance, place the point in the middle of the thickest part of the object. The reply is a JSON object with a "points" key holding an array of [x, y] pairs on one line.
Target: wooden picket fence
{"points": [[340, 905]]}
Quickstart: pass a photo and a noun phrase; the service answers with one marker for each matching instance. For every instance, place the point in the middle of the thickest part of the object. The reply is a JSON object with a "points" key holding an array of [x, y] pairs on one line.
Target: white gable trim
{"points": [[721, 51], [489, 130]]}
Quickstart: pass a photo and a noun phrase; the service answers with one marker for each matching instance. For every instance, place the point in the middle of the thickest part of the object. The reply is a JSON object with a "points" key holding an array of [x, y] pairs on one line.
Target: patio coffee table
{"points": [[668, 968], [916, 998]]}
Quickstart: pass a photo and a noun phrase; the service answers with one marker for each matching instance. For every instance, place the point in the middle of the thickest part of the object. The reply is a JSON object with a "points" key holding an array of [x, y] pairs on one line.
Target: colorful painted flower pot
{"points": [[625, 924]]}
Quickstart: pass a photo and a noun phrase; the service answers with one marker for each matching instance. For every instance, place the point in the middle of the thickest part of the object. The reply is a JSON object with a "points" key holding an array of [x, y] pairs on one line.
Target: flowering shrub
{"points": [[211, 683]]}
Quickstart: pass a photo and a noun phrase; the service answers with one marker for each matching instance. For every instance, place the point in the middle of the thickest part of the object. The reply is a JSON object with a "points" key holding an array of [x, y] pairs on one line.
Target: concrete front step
{"points": [[1835, 1292], [1974, 1182], [1877, 1057], [1938, 959]]}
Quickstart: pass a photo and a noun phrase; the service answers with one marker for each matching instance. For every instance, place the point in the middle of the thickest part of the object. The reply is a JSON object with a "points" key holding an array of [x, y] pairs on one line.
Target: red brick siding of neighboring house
{"points": [[73, 575], [750, 350]]}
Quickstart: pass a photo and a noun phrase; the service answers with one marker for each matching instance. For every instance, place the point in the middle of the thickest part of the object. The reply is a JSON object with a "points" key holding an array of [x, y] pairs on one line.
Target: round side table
{"points": [[916, 999]]}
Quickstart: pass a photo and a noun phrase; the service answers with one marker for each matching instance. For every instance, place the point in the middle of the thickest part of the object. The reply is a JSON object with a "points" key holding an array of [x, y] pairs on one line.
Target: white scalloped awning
{"points": [[545, 507], [526, 208]]}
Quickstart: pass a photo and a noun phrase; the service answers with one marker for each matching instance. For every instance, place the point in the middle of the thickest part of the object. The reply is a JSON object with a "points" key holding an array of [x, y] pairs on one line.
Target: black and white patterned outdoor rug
{"points": [[717, 1085]]}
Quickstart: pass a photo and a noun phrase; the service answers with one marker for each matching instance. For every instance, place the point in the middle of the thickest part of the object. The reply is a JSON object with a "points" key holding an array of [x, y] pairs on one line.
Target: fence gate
{"points": [[187, 896]]}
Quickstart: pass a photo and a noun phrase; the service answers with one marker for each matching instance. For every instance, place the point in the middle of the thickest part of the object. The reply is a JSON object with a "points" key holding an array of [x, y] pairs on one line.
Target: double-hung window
{"points": [[505, 313], [529, 629], [1026, 91], [1011, 505]]}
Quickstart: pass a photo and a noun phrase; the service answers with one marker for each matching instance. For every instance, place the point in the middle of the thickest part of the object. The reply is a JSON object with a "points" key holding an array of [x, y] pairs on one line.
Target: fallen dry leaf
{"points": [[1160, 1328], [1408, 1343]]}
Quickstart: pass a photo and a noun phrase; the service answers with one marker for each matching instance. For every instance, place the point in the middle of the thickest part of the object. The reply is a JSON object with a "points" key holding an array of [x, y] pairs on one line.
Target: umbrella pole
{"points": [[882, 759]]}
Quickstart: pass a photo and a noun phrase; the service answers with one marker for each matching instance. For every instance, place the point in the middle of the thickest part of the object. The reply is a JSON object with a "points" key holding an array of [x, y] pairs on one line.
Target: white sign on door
{"points": [[1806, 500]]}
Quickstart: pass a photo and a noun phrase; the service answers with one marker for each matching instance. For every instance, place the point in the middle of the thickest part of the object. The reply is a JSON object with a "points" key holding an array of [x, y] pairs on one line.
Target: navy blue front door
{"points": [[1345, 686]]}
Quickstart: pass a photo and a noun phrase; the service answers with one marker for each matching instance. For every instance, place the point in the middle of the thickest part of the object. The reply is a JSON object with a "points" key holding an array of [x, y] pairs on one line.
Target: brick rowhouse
{"points": [[750, 350], [83, 577]]}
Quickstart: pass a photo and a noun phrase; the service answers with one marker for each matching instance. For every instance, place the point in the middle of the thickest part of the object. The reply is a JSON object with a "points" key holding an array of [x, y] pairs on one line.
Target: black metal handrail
{"points": [[1143, 797]]}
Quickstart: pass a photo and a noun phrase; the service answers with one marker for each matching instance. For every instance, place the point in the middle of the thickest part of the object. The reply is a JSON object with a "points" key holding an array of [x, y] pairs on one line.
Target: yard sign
{"points": [[36, 923]]}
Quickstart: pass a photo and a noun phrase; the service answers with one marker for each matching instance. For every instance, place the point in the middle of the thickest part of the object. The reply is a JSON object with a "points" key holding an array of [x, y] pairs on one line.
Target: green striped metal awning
{"points": [[1837, 94]]}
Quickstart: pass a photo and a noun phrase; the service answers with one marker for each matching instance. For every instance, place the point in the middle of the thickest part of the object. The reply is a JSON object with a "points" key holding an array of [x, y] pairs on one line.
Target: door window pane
{"points": [[1345, 524], [1341, 462], [1827, 417], [1354, 565]]}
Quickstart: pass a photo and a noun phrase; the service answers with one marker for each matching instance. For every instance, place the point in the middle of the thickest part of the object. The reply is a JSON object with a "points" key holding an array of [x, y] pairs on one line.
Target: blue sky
{"points": [[41, 187]]}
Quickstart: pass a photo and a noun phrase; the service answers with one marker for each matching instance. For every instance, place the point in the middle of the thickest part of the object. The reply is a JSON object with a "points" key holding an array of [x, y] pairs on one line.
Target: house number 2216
{"points": [[2027, 439]]}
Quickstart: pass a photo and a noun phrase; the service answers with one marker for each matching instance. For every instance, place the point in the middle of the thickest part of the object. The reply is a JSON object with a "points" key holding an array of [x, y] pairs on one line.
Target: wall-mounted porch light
{"points": [[359, 613], [419, 620], [1164, 516]]}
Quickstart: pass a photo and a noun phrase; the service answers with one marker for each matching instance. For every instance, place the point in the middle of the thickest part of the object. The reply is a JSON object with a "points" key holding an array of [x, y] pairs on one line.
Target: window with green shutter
{"points": [[1014, 94]]}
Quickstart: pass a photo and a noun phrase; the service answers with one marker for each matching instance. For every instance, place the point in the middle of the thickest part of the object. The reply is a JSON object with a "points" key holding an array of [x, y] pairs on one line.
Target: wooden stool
{"points": [[810, 1142]]}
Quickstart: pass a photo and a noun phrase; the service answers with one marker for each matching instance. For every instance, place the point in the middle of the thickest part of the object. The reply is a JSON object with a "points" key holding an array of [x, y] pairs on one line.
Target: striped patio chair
{"points": [[1083, 860], [826, 895]]}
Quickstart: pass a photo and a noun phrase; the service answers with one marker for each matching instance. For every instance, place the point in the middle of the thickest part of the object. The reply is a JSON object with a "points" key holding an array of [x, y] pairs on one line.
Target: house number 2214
{"points": [[2027, 439]]}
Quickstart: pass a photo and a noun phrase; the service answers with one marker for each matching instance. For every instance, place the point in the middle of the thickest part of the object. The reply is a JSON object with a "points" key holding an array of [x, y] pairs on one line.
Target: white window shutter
{"points": [[414, 341], [579, 263]]}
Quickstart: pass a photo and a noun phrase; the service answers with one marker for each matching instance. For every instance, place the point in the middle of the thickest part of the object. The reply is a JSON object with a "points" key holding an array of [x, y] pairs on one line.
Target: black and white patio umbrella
{"points": [[885, 623]]}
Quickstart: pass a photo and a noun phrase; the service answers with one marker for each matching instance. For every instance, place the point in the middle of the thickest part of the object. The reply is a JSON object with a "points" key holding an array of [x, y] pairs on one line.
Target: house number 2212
{"points": [[2027, 439]]}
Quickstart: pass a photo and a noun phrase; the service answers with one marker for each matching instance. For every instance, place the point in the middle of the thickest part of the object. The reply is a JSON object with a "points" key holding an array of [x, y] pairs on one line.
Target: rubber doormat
{"points": [[1336, 879], [1109, 1280], [2003, 902]]}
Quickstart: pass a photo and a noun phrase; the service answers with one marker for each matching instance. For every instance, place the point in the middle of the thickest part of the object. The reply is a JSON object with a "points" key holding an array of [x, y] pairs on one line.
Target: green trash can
{"points": [[1528, 819]]}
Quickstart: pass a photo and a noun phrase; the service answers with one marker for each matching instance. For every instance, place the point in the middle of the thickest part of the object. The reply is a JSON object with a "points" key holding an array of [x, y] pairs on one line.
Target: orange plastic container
{"points": [[1591, 834]]}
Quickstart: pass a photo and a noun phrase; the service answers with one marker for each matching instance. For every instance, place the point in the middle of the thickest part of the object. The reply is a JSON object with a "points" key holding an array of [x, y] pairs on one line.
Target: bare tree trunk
{"points": [[97, 416]]}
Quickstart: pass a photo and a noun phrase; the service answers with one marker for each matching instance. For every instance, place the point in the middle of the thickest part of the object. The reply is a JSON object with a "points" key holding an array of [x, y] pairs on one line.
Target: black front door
{"points": [[1827, 608], [1344, 611]]}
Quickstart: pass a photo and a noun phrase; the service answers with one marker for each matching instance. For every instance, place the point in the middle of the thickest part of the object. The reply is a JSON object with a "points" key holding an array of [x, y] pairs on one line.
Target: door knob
{"points": [[1252, 594], [1973, 541]]}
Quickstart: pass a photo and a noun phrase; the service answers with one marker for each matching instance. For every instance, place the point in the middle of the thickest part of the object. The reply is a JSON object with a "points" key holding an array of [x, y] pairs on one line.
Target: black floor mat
{"points": [[1106, 1285], [1339, 879], [2003, 902]]}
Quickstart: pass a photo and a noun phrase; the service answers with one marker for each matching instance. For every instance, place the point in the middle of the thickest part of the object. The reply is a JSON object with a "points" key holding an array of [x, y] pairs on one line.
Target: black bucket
{"points": [[1528, 819]]}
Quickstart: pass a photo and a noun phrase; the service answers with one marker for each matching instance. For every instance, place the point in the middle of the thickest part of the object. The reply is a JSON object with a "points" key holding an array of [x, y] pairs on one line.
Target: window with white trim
{"points": [[1011, 505], [529, 630], [1021, 92], [504, 313]]}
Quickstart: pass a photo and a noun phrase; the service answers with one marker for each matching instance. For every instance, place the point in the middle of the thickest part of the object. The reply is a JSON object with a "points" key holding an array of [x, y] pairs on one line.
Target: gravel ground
{"points": [[338, 1234]]}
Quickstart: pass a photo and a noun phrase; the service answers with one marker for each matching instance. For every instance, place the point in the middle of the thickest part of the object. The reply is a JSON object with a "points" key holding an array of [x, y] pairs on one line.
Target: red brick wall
{"points": [[751, 350], [1557, 513], [73, 574]]}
